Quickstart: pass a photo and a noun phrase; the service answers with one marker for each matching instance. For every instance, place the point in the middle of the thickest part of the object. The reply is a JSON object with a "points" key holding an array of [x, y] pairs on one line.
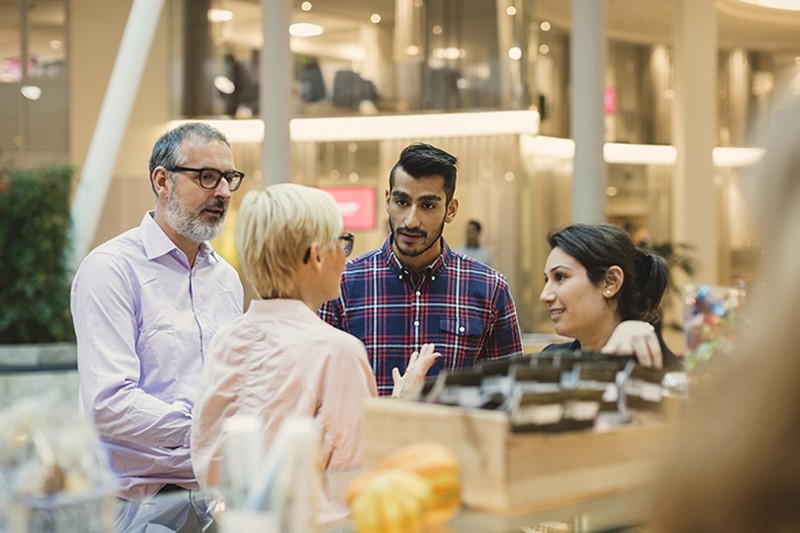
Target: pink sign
{"points": [[356, 204], [610, 100]]}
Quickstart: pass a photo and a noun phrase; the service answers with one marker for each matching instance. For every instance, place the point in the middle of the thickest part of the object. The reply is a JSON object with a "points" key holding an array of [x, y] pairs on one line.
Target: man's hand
{"points": [[638, 338], [410, 383]]}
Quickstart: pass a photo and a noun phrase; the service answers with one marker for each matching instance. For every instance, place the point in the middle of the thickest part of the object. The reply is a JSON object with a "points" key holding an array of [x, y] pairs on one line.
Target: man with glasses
{"points": [[145, 306]]}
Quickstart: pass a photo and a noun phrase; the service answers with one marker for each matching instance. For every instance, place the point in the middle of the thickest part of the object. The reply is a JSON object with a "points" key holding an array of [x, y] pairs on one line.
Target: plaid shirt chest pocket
{"points": [[465, 337], [464, 327]]}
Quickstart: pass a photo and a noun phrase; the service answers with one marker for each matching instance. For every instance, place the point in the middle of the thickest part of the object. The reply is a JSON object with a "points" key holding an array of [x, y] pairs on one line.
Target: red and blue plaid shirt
{"points": [[461, 305]]}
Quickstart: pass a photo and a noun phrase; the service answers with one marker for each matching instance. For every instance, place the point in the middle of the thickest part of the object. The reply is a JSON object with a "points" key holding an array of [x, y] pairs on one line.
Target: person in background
{"points": [[473, 247], [414, 289], [595, 280], [734, 465], [280, 359], [145, 305]]}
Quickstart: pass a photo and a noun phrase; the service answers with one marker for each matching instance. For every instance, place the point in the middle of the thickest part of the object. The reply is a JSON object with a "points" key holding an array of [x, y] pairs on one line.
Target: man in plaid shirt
{"points": [[415, 289]]}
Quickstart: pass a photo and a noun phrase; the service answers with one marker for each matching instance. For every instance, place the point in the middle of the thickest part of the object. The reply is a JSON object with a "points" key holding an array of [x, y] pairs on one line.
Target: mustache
{"points": [[412, 232], [216, 204]]}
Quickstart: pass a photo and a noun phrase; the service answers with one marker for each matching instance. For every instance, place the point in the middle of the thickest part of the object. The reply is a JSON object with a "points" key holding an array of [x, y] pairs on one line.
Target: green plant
{"points": [[34, 246]]}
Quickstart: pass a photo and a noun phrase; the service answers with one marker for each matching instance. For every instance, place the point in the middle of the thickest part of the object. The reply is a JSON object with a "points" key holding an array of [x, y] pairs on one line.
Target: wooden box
{"points": [[511, 473]]}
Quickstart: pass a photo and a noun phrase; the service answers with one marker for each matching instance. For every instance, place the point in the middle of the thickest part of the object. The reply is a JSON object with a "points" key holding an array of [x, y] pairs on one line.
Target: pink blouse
{"points": [[279, 360]]}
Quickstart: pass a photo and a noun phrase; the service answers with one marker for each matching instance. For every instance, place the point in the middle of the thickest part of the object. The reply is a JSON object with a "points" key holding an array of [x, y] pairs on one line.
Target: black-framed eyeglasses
{"points": [[348, 239], [347, 246], [209, 177]]}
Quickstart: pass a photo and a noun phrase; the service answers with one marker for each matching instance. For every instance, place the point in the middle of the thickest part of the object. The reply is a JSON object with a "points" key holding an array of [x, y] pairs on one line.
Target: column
{"points": [[695, 200], [587, 68], [275, 92]]}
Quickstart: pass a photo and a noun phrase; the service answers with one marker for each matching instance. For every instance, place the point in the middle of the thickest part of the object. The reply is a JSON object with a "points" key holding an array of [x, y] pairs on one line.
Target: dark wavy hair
{"points": [[420, 159], [598, 247]]}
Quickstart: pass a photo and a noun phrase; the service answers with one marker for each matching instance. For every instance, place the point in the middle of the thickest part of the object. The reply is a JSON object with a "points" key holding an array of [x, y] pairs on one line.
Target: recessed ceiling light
{"points": [[306, 6]]}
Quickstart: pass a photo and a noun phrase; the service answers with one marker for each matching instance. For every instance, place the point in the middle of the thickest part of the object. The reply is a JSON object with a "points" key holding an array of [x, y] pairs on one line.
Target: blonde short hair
{"points": [[275, 227]]}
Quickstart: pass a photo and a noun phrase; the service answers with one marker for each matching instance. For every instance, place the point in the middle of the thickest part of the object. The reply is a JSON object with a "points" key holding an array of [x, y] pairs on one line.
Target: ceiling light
{"points": [[544, 26], [375, 18], [450, 53], [306, 6], [788, 5], [31, 92], [304, 29], [511, 11], [224, 85], [220, 15], [515, 53]]}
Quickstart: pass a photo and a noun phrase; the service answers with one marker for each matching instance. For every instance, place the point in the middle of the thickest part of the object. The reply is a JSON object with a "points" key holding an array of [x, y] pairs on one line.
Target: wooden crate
{"points": [[511, 473]]}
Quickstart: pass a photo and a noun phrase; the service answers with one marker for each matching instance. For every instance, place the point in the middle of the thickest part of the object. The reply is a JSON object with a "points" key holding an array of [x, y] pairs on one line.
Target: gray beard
{"points": [[187, 223]]}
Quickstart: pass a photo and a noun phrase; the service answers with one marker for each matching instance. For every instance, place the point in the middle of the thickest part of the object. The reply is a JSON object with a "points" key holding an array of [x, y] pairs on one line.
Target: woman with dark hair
{"points": [[596, 279]]}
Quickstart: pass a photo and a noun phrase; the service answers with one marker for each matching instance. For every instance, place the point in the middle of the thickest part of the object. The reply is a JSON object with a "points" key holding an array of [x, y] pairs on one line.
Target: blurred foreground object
{"points": [[507, 472], [414, 486], [283, 489], [54, 476]]}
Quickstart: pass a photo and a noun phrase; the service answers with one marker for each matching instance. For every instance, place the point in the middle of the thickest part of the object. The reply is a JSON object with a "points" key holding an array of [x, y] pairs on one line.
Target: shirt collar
{"points": [[156, 243], [394, 263]]}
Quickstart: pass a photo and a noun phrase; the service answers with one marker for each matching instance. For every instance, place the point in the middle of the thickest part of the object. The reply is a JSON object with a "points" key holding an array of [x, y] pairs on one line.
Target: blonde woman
{"points": [[280, 359]]}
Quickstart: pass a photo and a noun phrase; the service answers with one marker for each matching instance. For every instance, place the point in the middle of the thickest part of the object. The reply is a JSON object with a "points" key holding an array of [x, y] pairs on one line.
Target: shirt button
{"points": [[416, 322], [418, 293], [461, 329], [400, 276], [433, 278]]}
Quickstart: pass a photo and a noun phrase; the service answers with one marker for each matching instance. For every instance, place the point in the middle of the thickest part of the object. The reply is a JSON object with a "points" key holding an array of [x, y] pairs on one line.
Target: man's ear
{"points": [[612, 283], [452, 209], [388, 198], [161, 182]]}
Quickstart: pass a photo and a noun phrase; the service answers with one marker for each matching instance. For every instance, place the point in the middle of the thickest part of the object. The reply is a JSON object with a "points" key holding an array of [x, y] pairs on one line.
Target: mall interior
{"points": [[685, 88]]}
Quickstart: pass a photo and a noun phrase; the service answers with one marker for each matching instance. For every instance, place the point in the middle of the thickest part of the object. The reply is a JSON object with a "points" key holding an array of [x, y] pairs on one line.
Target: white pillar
{"points": [[695, 199], [112, 123], [587, 69], [275, 91]]}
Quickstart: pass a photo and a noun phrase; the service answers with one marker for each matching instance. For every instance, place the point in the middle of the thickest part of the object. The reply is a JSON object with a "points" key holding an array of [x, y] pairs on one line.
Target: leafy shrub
{"points": [[34, 272]]}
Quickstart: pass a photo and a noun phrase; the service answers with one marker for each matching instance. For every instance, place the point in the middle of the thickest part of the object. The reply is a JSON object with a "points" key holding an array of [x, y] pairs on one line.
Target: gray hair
{"points": [[167, 150]]}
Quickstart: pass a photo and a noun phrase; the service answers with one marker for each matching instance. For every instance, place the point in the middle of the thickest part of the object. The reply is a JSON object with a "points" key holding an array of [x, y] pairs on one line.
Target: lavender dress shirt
{"points": [[143, 320]]}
